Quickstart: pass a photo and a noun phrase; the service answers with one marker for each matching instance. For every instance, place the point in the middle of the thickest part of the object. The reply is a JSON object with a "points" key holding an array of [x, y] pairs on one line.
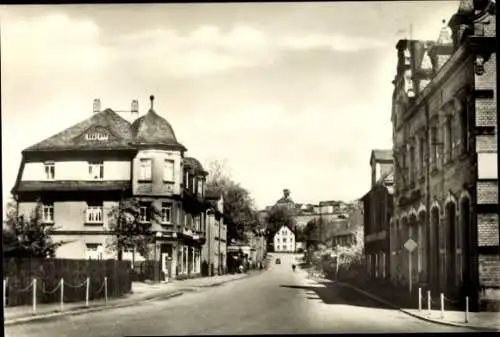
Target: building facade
{"points": [[82, 173], [284, 240], [445, 150], [378, 208], [214, 250]]}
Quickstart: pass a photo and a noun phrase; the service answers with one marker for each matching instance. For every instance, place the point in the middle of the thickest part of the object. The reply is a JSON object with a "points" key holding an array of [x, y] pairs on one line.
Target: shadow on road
{"points": [[330, 293]]}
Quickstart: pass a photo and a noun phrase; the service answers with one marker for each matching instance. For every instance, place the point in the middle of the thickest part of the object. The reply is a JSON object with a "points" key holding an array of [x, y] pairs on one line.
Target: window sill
{"points": [[48, 223], [93, 224], [145, 181], [168, 182]]}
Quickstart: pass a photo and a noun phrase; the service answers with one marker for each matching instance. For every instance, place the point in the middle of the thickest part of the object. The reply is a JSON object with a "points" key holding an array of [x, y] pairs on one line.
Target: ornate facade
{"points": [[445, 154]]}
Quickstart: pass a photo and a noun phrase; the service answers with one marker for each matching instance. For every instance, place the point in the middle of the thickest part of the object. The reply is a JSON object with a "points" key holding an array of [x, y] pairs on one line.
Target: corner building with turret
{"points": [[82, 172], [445, 161]]}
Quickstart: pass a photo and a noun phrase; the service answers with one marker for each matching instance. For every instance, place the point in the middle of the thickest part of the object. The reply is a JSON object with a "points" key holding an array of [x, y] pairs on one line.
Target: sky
{"points": [[288, 95]]}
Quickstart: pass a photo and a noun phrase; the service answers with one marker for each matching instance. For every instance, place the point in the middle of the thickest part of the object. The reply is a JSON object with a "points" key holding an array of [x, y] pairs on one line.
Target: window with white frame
{"points": [[376, 265], [168, 170], [277, 240], [50, 170], [200, 187], [97, 135], [48, 212], [94, 212], [278, 247], [144, 213], [284, 240], [96, 170], [145, 169], [434, 146], [166, 212], [421, 155], [93, 251]]}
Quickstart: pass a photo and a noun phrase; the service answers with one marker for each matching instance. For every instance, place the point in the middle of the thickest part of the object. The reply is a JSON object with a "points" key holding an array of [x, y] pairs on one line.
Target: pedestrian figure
{"points": [[293, 267]]}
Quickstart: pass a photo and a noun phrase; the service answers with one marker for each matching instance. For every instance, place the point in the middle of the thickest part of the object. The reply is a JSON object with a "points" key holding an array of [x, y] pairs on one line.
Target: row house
{"points": [[445, 152], [377, 211], [215, 249], [85, 171]]}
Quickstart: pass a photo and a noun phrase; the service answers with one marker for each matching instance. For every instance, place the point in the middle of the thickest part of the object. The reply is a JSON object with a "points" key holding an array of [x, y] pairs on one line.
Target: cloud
{"points": [[54, 40], [208, 49], [332, 42]]}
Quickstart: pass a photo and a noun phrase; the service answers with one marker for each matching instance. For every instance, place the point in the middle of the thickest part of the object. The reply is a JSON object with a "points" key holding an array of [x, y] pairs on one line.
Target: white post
{"points": [[409, 271], [4, 292], [87, 292], [419, 299], [442, 305], [429, 300], [34, 296], [106, 290], [466, 309], [62, 294]]}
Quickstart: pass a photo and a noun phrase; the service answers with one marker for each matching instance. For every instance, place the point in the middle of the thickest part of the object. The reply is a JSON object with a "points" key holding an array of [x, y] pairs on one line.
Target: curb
{"points": [[84, 310], [378, 299]]}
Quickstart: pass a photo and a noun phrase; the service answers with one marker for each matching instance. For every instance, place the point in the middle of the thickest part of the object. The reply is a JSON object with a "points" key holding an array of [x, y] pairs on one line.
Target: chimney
{"points": [[134, 107], [97, 105]]}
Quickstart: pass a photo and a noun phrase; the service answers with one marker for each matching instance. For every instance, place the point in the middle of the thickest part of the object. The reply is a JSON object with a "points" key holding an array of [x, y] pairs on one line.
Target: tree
{"points": [[28, 238], [279, 216], [128, 229], [239, 212]]}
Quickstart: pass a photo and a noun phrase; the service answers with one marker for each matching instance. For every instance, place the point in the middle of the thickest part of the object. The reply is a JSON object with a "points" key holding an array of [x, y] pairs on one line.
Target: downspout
{"points": [[220, 257], [209, 234]]}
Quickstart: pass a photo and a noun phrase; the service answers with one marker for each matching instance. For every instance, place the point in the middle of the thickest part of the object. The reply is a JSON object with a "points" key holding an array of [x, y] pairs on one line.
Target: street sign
{"points": [[410, 245]]}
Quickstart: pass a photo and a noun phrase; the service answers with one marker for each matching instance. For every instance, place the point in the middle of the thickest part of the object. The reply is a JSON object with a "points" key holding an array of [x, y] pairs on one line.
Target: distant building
{"points": [[284, 240], [377, 211], [214, 251]]}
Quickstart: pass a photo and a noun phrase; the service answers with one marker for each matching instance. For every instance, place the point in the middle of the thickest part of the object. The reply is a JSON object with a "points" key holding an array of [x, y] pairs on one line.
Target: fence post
{"points": [[429, 301], [466, 309], [87, 292], [419, 299], [34, 296], [62, 294], [4, 292], [442, 305], [106, 290]]}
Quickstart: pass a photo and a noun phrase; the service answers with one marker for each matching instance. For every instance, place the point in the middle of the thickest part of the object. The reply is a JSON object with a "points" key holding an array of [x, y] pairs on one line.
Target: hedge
{"points": [[48, 273]]}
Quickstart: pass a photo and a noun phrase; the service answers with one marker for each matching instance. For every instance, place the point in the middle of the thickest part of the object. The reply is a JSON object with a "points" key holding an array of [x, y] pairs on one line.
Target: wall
{"points": [[157, 186], [76, 170]]}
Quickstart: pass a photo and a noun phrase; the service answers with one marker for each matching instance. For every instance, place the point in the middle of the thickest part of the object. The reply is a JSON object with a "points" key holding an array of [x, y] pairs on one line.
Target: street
{"points": [[276, 301]]}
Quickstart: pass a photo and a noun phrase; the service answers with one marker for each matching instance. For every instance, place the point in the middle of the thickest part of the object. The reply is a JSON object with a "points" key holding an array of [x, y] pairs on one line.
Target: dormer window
{"points": [[97, 135], [96, 170]]}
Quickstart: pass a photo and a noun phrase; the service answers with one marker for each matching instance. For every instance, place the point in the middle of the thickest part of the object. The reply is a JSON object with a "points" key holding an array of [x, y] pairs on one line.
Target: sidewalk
{"points": [[140, 292], [394, 297]]}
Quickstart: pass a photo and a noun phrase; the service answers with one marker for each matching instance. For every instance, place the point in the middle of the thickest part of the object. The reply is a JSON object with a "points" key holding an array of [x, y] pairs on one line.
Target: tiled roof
{"points": [[153, 129], [72, 185], [150, 129], [382, 155], [71, 138], [193, 163]]}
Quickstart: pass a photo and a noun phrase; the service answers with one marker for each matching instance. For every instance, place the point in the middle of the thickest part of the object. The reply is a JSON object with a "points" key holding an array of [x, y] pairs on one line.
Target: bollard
{"points": [[466, 309], [106, 290], [4, 292], [62, 294], [34, 296], [419, 299], [442, 305], [429, 300], [87, 292]]}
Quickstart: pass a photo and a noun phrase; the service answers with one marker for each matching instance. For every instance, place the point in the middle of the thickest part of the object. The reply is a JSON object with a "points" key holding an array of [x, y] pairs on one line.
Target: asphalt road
{"points": [[276, 301]]}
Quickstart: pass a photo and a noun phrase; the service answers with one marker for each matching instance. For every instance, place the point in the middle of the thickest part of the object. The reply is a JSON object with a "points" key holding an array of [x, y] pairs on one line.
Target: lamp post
{"points": [[158, 235]]}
